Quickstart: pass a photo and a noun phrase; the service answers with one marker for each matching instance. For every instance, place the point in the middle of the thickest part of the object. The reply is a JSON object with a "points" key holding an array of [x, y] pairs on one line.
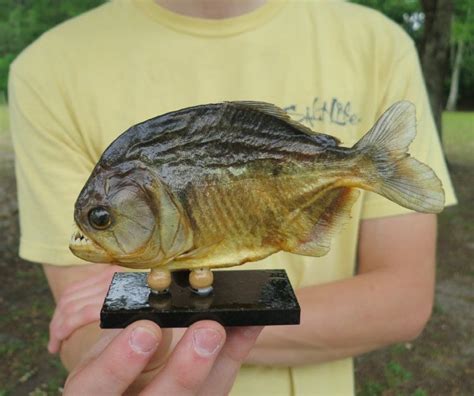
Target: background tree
{"points": [[434, 51], [462, 48], [435, 26], [428, 22]]}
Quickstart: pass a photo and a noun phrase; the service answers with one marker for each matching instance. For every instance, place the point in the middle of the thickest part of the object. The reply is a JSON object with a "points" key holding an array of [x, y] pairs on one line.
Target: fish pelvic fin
{"points": [[395, 174]]}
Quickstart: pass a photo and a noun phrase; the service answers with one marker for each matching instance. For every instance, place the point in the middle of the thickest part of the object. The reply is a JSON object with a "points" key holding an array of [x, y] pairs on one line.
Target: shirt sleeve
{"points": [[404, 81], [51, 162]]}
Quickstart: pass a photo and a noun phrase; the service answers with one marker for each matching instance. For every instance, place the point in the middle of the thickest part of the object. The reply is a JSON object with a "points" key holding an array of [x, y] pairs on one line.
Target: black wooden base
{"points": [[239, 298]]}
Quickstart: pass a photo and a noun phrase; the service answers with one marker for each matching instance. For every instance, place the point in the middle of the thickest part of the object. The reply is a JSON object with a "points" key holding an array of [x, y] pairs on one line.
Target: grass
{"points": [[3, 117], [394, 377], [458, 137], [5, 140]]}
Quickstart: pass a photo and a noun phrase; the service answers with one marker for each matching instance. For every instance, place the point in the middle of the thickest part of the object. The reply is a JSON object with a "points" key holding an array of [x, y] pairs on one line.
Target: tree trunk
{"points": [[435, 51], [454, 88]]}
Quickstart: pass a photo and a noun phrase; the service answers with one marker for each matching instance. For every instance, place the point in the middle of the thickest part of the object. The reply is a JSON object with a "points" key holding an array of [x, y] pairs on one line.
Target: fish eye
{"points": [[99, 218]]}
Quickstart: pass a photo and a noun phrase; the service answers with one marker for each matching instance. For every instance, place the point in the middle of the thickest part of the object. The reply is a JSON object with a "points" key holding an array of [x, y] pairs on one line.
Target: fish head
{"points": [[126, 216]]}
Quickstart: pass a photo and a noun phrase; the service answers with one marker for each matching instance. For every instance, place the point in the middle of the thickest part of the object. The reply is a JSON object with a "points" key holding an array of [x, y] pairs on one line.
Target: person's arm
{"points": [[389, 300]]}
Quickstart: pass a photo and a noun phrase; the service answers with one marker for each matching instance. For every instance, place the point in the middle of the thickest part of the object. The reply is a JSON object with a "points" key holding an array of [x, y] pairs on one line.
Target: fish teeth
{"points": [[78, 238]]}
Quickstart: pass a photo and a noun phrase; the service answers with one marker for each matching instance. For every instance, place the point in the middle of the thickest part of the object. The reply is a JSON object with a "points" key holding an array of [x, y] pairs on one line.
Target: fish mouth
{"points": [[79, 239], [84, 248]]}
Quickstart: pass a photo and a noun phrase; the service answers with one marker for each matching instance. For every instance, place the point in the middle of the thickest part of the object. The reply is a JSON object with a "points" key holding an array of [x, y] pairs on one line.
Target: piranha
{"points": [[222, 184]]}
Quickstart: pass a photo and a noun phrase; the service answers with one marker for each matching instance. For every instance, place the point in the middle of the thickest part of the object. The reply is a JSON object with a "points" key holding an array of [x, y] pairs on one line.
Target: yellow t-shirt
{"points": [[332, 65]]}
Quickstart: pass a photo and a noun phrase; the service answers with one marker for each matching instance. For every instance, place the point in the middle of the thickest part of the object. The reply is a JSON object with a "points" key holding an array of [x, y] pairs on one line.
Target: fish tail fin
{"points": [[395, 174]]}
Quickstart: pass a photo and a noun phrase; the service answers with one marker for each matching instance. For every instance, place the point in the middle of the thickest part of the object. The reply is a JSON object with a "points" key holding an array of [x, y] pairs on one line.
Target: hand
{"points": [[79, 305], [205, 361]]}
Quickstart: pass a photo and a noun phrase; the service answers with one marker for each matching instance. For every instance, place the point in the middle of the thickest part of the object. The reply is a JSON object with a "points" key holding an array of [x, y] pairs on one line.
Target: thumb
{"points": [[105, 338], [117, 359]]}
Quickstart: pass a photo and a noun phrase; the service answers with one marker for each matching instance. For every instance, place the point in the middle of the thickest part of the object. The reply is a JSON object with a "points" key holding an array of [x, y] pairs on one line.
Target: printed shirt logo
{"points": [[334, 111]]}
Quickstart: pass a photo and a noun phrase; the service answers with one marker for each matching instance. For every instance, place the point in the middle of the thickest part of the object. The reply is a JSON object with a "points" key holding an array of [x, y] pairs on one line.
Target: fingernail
{"points": [[143, 340], [206, 341]]}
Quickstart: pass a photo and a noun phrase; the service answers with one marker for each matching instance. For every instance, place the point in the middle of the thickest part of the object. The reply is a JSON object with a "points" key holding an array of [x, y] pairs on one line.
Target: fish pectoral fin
{"points": [[175, 232], [313, 229]]}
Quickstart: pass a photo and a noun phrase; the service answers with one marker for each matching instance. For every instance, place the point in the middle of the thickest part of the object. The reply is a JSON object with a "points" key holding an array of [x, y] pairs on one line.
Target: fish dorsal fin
{"points": [[278, 112]]}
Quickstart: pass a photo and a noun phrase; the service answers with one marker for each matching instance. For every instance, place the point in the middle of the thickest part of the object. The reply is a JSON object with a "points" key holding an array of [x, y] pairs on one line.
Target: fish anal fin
{"points": [[278, 112], [317, 224]]}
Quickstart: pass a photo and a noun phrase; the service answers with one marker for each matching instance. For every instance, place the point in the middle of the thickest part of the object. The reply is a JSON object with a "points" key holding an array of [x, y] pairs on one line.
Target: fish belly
{"points": [[250, 219]]}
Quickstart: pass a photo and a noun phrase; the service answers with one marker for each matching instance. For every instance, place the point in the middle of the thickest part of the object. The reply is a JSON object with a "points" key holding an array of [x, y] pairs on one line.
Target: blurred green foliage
{"points": [[409, 14], [458, 139], [22, 21]]}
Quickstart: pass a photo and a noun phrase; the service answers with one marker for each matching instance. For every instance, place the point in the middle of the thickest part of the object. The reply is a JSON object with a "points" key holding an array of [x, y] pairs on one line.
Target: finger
{"points": [[93, 285], [69, 299], [57, 325], [54, 344], [63, 325], [105, 338], [114, 368], [190, 363], [162, 353], [93, 292], [87, 314], [240, 341], [105, 274]]}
